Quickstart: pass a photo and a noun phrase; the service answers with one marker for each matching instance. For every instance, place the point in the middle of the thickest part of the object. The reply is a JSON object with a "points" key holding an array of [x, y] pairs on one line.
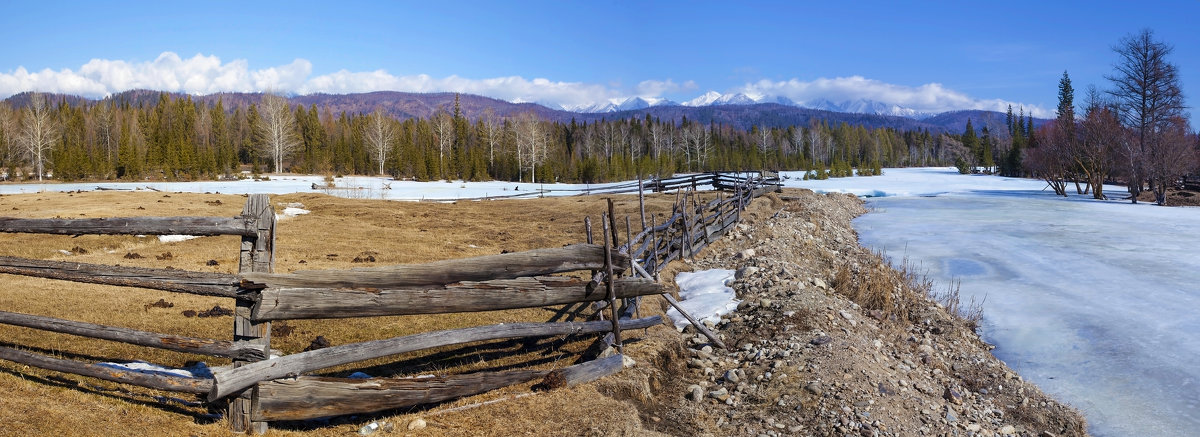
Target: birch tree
{"points": [[531, 144], [39, 130], [276, 129], [8, 135], [379, 134], [443, 128]]}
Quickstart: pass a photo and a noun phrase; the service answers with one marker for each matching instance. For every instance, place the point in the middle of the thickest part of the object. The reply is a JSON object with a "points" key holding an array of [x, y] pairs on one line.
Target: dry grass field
{"points": [[332, 236]]}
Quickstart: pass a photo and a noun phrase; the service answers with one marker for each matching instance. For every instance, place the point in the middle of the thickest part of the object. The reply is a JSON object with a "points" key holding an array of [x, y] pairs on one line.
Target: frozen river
{"points": [[1097, 302]]}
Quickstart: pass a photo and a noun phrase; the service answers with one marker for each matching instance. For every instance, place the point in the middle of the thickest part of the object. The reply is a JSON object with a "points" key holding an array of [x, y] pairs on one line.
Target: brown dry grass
{"points": [[338, 230]]}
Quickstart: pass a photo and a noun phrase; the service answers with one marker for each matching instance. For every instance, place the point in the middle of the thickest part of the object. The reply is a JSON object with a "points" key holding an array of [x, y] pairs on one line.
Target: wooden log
{"points": [[585, 372], [168, 383], [608, 281], [179, 281], [318, 303], [504, 266], [203, 346], [308, 397], [257, 256], [233, 380], [130, 226]]}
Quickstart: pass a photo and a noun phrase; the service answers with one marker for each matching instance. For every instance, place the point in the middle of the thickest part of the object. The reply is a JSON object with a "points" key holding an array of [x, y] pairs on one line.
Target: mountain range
{"points": [[713, 98], [738, 110]]}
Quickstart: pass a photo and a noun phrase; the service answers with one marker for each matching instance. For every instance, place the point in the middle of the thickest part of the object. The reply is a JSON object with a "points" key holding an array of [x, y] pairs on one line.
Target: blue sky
{"points": [[926, 55]]}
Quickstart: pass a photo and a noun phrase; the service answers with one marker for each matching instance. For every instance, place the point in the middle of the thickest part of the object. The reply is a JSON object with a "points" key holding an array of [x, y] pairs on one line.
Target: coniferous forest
{"points": [[177, 137]]}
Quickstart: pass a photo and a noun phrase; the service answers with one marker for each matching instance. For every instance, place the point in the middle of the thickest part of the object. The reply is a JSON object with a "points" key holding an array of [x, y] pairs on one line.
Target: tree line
{"points": [[1136, 132], [179, 138]]}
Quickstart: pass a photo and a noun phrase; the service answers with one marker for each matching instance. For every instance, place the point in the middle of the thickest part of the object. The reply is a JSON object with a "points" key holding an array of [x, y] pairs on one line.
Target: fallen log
{"points": [[168, 383], [130, 226], [233, 380], [179, 281], [203, 346], [315, 303], [307, 397], [504, 266]]}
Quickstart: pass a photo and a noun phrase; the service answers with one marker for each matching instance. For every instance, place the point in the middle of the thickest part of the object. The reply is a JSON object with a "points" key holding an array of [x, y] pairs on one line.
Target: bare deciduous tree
{"points": [[493, 127], [8, 137], [1147, 92], [379, 133], [531, 144], [443, 127], [1100, 137], [39, 131], [1172, 156], [276, 129]]}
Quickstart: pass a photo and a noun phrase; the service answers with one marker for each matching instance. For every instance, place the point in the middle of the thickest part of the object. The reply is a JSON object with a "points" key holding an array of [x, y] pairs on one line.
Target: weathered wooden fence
{"points": [[692, 226], [259, 390]]}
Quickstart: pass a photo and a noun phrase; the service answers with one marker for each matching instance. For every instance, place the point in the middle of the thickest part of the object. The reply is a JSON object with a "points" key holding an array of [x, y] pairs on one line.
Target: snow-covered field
{"points": [[1098, 302], [356, 187]]}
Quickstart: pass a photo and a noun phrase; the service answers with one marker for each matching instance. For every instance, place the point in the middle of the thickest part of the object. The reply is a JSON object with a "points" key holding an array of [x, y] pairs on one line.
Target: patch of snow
{"points": [[705, 295], [290, 212], [199, 370], [175, 238]]}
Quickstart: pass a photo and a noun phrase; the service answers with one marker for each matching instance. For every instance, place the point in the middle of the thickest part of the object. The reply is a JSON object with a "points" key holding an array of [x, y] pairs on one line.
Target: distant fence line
{"points": [[258, 390]]}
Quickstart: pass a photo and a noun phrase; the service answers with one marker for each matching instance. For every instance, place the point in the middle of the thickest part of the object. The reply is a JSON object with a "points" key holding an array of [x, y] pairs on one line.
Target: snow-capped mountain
{"points": [[614, 105], [713, 98], [704, 100]]}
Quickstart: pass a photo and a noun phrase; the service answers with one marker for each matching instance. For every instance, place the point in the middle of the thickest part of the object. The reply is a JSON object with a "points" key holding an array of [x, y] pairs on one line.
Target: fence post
{"points": [[257, 255]]}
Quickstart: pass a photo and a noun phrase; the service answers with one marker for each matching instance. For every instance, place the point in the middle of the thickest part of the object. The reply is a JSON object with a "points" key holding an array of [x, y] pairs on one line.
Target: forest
{"points": [[181, 138]]}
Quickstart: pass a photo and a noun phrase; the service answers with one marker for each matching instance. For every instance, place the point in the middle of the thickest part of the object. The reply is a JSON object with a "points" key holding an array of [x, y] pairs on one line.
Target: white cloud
{"points": [[203, 74], [931, 97]]}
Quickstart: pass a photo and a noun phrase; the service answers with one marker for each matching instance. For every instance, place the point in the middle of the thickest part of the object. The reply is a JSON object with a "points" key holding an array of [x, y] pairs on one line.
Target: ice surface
{"points": [[704, 295], [1095, 301]]}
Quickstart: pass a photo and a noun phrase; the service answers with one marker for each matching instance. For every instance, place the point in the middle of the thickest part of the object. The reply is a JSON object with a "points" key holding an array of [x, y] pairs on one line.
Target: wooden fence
{"points": [[259, 390], [692, 226]]}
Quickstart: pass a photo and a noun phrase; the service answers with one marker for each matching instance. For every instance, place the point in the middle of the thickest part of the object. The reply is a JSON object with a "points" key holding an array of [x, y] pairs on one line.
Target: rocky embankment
{"points": [[830, 340]]}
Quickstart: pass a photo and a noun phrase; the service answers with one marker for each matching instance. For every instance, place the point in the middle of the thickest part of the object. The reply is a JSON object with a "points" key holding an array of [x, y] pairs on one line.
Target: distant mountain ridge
{"points": [[713, 98], [738, 110]]}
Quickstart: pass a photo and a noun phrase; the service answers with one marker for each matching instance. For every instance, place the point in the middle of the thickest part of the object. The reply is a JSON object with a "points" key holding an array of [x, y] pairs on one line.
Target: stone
{"points": [[745, 272], [721, 395], [746, 254], [416, 424], [819, 283], [765, 303], [952, 396], [974, 427], [732, 376], [814, 388], [1007, 430], [695, 392]]}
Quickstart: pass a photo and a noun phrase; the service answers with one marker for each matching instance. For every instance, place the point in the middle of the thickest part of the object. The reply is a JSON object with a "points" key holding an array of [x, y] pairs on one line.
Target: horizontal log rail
{"points": [[200, 226], [308, 397], [168, 383], [482, 268], [202, 346], [230, 381], [179, 281], [283, 303]]}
